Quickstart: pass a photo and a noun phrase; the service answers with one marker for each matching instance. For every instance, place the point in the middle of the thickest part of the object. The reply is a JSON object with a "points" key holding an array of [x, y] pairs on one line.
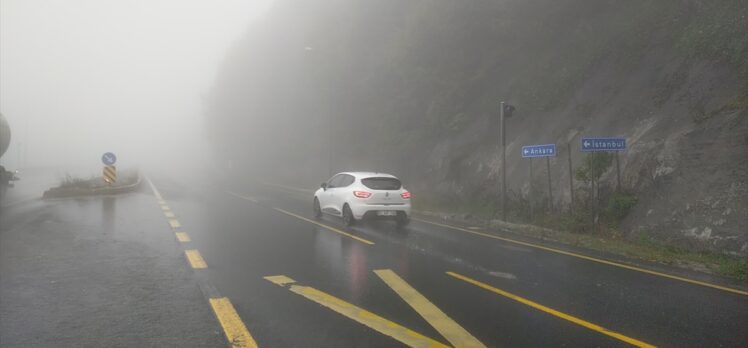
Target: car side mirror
{"points": [[324, 186]]}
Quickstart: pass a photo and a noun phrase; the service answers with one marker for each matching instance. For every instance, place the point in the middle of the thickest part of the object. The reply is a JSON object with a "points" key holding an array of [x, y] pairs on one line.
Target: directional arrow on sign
{"points": [[603, 144], [109, 159], [547, 150]]}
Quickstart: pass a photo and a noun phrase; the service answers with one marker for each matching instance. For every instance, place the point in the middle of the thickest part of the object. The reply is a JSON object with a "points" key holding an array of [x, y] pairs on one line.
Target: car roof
{"points": [[369, 174]]}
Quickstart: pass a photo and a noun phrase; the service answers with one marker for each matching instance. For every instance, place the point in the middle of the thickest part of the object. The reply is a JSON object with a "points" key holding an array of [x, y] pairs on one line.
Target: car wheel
{"points": [[348, 218], [402, 220], [317, 209]]}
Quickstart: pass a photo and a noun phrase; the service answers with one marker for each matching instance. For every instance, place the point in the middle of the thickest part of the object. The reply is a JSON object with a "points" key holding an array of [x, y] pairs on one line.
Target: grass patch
{"points": [[649, 249], [576, 231]]}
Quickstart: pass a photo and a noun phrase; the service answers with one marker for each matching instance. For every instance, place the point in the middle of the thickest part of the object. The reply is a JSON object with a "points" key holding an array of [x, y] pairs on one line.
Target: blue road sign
{"points": [[548, 150], [603, 144], [109, 159]]}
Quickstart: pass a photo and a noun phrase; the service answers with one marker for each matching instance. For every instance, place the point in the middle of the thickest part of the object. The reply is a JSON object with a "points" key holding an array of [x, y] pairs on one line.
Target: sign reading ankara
{"points": [[603, 144], [548, 150]]}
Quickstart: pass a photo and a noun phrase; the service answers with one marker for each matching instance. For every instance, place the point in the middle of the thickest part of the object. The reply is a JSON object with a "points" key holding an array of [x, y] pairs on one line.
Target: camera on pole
{"points": [[508, 110]]}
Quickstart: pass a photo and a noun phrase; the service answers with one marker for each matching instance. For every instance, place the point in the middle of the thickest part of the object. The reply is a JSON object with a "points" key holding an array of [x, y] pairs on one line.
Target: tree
{"points": [[599, 163]]}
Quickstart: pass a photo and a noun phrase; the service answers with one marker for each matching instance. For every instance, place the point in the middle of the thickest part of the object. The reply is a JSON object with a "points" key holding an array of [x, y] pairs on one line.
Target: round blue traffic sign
{"points": [[109, 159]]}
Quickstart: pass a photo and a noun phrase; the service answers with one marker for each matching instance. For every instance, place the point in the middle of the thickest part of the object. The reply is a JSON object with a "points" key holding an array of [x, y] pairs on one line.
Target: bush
{"points": [[619, 206], [599, 163]]}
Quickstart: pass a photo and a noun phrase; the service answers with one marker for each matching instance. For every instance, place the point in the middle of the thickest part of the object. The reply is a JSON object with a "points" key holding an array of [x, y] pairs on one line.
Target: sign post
{"points": [[607, 144], [618, 173], [110, 174], [529, 195], [110, 171], [550, 192], [547, 151], [571, 181]]}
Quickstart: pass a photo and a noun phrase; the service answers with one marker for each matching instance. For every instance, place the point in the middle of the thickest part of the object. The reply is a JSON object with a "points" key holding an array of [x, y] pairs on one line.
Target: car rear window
{"points": [[382, 183]]}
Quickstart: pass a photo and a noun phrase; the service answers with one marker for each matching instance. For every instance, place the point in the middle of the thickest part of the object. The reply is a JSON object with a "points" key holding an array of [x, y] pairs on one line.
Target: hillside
{"points": [[413, 88]]}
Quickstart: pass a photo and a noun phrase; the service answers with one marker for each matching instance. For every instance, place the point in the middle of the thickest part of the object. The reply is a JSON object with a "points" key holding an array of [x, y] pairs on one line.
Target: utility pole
{"points": [[506, 112], [503, 163], [19, 147], [328, 106], [329, 138]]}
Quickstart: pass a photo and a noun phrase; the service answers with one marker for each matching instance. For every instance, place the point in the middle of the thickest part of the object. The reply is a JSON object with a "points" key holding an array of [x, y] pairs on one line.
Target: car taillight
{"points": [[361, 194], [405, 195]]}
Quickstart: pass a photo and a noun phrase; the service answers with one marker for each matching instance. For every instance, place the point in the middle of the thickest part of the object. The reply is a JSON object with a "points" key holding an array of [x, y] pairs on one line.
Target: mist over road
{"points": [[151, 261], [509, 173]]}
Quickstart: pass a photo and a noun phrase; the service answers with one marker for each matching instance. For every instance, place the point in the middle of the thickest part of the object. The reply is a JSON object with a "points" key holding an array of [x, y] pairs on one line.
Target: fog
{"points": [[79, 78]]}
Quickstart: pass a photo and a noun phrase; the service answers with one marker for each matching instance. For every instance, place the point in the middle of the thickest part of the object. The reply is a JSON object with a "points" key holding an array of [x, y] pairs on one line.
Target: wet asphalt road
{"points": [[109, 270]]}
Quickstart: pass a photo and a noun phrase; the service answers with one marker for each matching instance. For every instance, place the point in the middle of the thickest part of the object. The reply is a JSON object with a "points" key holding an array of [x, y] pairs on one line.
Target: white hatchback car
{"points": [[358, 195]]}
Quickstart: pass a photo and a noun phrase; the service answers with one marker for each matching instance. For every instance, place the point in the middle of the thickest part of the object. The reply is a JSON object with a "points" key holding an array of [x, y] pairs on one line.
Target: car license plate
{"points": [[386, 213]]}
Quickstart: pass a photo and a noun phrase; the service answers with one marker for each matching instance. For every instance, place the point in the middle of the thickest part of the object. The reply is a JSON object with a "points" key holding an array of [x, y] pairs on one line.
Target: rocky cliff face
{"points": [[413, 88]]}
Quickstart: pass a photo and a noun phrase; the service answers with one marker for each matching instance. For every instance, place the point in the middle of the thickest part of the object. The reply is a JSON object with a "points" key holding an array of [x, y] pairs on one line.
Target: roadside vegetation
{"points": [[592, 223], [421, 101]]}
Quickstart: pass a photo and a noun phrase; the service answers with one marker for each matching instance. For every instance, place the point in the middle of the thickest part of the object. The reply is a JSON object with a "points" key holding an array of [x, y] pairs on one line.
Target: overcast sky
{"points": [[81, 77]]}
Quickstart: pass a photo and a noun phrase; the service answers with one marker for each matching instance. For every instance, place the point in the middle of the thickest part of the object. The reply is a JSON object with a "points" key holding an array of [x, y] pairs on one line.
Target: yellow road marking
{"points": [[453, 332], [552, 311], [165, 208], [183, 237], [196, 260], [174, 223], [233, 326], [362, 316], [280, 280], [333, 229], [589, 258], [169, 214]]}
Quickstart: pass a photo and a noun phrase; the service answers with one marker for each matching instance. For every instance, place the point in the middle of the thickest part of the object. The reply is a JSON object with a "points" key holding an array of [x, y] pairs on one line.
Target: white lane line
{"points": [[287, 187], [251, 199], [154, 189]]}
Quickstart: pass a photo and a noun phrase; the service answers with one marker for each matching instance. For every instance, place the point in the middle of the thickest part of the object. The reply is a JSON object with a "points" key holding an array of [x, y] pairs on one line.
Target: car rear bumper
{"points": [[363, 210]]}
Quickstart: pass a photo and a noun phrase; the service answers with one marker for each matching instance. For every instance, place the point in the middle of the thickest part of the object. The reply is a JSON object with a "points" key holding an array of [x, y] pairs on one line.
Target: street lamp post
{"points": [[503, 163], [328, 103], [329, 137], [506, 112]]}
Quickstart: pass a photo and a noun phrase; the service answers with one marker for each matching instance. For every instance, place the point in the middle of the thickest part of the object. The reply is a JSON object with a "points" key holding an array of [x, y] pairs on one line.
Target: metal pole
{"points": [[550, 192], [571, 180], [618, 174], [529, 195], [18, 162], [592, 191], [329, 147], [503, 163]]}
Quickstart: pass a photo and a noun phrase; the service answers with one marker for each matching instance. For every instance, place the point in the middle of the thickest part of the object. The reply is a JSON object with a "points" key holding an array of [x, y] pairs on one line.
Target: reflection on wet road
{"points": [[256, 268]]}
